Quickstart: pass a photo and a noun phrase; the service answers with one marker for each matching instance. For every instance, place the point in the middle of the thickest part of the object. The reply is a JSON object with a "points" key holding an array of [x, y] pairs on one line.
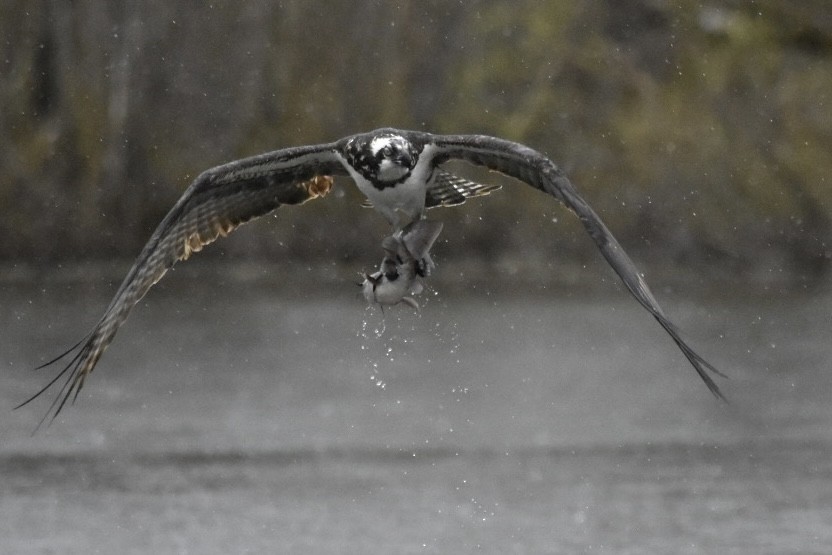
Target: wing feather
{"points": [[451, 190], [216, 203], [527, 165]]}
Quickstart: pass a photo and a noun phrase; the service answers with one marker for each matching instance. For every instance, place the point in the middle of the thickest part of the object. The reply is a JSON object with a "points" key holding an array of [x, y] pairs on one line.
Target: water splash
{"points": [[374, 330]]}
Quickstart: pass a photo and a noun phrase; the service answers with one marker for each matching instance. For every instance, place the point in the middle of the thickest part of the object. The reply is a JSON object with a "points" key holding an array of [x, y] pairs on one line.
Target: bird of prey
{"points": [[400, 174]]}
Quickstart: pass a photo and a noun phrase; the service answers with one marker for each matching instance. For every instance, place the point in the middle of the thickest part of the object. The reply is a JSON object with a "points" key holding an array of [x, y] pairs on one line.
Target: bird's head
{"points": [[395, 156], [383, 157]]}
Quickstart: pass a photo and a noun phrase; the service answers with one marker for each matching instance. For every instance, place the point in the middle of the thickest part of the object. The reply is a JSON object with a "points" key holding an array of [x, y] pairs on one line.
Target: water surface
{"points": [[232, 417]]}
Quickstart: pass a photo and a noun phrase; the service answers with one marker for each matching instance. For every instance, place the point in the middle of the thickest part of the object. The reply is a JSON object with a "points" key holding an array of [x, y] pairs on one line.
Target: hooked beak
{"points": [[405, 159]]}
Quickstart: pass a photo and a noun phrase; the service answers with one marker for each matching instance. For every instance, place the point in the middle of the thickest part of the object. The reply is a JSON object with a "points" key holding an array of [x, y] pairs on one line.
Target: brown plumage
{"points": [[216, 203]]}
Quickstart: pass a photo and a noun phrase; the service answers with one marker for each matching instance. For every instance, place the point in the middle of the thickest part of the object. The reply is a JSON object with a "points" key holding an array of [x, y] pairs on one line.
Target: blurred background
{"points": [[252, 403], [699, 130]]}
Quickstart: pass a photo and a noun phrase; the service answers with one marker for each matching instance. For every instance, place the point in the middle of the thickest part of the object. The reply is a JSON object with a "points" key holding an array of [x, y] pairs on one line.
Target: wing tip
{"points": [[702, 368], [78, 367], [712, 387]]}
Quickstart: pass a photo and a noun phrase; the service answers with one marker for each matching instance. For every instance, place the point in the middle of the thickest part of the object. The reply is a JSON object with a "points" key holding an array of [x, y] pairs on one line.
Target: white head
{"points": [[395, 156]]}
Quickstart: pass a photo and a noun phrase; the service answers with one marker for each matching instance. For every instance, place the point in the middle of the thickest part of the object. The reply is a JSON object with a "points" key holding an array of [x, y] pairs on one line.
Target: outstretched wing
{"points": [[218, 201], [531, 167]]}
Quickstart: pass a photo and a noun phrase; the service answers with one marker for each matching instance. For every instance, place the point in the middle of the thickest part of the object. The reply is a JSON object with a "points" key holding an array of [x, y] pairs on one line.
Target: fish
{"points": [[405, 264]]}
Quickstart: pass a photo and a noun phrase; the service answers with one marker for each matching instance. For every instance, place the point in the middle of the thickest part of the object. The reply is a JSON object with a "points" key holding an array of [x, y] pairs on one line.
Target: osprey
{"points": [[400, 174]]}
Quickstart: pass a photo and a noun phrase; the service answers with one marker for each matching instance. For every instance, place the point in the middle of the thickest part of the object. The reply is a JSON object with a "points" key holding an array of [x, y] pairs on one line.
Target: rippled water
{"points": [[231, 418]]}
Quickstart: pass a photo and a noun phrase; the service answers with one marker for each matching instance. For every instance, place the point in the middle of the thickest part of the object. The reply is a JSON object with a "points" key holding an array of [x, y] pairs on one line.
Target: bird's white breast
{"points": [[407, 196]]}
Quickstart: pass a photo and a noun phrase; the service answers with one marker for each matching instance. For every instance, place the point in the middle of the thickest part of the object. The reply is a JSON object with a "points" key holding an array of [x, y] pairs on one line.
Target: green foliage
{"points": [[701, 130]]}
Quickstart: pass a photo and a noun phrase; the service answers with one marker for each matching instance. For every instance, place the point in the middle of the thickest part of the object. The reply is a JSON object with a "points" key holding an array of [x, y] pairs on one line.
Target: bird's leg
{"points": [[425, 264], [417, 239]]}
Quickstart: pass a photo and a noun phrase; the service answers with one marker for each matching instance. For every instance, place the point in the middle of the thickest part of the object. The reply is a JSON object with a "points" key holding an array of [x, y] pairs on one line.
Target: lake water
{"points": [[241, 417]]}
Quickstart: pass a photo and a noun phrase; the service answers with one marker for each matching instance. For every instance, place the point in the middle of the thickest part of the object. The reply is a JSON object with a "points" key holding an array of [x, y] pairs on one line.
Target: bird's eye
{"points": [[387, 151]]}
